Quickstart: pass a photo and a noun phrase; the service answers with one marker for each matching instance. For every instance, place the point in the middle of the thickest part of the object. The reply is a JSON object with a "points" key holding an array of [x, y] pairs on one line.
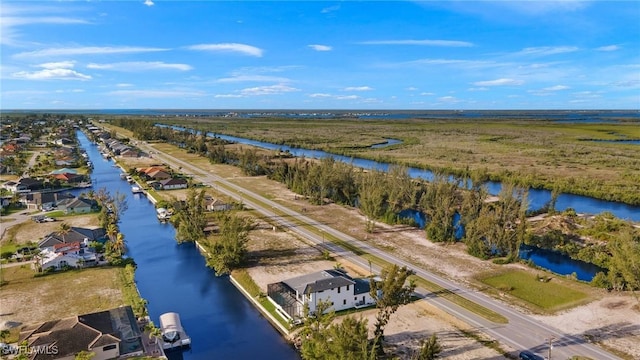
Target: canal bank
{"points": [[174, 278]]}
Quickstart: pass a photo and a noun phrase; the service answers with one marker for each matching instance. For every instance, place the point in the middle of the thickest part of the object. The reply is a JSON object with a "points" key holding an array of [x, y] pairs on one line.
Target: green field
{"points": [[548, 296]]}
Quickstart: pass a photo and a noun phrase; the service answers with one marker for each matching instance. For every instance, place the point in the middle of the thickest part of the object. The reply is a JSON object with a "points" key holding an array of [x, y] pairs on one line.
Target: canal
{"points": [[222, 323]]}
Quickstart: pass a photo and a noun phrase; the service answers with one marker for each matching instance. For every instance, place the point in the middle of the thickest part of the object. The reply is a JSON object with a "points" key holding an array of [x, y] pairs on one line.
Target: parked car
{"points": [[528, 355]]}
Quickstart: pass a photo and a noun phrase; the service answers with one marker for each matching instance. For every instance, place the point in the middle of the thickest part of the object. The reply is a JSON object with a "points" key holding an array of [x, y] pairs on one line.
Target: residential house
{"points": [[38, 201], [63, 141], [75, 234], [157, 174], [154, 173], [173, 183], [75, 254], [212, 204], [130, 153], [23, 185], [68, 177], [5, 201], [77, 206], [335, 286], [108, 334]]}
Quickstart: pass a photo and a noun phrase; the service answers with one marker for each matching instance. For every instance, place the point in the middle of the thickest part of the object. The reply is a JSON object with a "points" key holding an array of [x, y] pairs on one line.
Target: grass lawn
{"points": [[549, 296], [28, 299]]}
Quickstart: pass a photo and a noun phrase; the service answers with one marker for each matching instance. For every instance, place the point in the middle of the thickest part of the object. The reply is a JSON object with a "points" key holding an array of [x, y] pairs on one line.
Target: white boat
{"points": [[173, 335], [129, 178], [163, 214], [136, 190]]}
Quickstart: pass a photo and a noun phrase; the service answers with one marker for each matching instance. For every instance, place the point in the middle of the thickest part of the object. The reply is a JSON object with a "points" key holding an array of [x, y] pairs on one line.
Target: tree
{"points": [[389, 294], [63, 230], [229, 249], [440, 205], [348, 340], [429, 349], [118, 245], [314, 333], [624, 264], [372, 197], [190, 219], [112, 231], [322, 339]]}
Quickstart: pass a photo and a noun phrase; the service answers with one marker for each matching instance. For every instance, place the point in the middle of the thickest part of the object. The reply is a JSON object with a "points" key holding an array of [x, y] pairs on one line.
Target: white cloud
{"points": [[268, 90], [411, 88], [499, 82], [330, 9], [358, 88], [86, 50], [58, 65], [320, 95], [318, 47], [478, 89], [547, 50], [426, 42], [139, 66], [448, 99], [62, 70], [254, 78], [556, 88], [427, 94], [347, 97], [14, 15], [148, 2], [229, 47], [228, 96], [51, 74], [608, 48], [124, 85]]}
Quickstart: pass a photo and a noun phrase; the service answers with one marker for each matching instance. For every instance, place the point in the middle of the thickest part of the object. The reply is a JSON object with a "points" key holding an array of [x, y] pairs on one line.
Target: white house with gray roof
{"points": [[335, 286]]}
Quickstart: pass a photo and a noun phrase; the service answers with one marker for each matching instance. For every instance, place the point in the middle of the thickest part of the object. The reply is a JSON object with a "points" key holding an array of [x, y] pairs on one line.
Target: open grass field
{"points": [[28, 299], [539, 153], [548, 296]]}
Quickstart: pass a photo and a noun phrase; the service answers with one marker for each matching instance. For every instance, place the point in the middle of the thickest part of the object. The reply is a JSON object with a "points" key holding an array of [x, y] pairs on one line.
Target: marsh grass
{"points": [[539, 153]]}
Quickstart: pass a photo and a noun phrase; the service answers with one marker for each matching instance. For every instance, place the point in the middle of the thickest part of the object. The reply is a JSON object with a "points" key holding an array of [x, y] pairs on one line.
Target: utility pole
{"points": [[550, 346]]}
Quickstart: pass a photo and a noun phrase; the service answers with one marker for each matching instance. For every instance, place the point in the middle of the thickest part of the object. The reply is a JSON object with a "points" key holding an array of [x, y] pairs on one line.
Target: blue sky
{"points": [[320, 55]]}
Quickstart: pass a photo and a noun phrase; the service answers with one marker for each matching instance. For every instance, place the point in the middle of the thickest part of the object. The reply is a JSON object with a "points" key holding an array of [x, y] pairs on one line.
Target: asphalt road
{"points": [[521, 333]]}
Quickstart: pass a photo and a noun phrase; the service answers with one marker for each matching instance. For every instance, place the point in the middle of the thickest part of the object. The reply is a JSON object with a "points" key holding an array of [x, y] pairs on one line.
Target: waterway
{"points": [[537, 197], [222, 323]]}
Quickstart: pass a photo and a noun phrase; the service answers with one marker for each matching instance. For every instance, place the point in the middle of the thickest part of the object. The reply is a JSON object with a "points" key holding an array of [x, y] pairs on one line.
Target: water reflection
{"points": [[221, 322]]}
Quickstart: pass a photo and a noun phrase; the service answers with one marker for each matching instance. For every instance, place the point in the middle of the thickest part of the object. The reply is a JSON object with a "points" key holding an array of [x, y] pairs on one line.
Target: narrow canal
{"points": [[222, 323]]}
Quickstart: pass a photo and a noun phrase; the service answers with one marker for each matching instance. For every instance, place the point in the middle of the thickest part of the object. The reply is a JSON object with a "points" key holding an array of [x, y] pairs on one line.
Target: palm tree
{"points": [[64, 230], [119, 244], [112, 231]]}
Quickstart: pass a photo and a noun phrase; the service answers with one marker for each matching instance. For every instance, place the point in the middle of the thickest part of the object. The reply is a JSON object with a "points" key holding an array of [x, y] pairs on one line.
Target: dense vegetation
{"points": [[534, 153], [494, 228]]}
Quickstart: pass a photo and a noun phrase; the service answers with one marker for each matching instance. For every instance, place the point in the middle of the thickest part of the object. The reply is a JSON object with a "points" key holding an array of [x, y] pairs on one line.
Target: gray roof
{"points": [[362, 286], [319, 281], [83, 332]]}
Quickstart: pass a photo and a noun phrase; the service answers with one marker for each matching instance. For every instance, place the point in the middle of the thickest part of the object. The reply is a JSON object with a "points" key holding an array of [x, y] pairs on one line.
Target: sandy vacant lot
{"points": [[612, 319], [277, 255]]}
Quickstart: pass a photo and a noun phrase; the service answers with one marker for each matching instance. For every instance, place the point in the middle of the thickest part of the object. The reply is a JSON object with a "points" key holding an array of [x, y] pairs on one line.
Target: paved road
{"points": [[522, 331]]}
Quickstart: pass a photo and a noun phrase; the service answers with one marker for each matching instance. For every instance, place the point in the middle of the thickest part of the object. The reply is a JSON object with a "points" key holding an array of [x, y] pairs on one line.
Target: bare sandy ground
{"points": [[32, 231], [611, 320]]}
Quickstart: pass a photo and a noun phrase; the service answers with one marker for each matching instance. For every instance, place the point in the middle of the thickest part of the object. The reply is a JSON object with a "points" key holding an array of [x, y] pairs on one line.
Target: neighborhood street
{"points": [[522, 332]]}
